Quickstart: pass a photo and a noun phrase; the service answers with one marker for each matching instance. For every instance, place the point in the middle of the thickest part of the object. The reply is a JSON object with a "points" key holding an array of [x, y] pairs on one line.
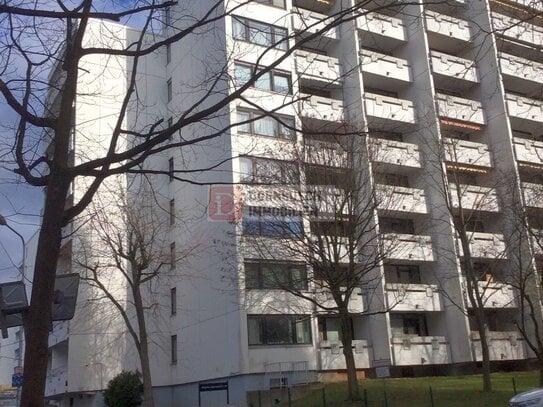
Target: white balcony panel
{"points": [[413, 297], [533, 194], [389, 108], [381, 24], [60, 332], [447, 26], [529, 151], [321, 108], [521, 68], [326, 199], [310, 65], [457, 108], [275, 302], [475, 198], [524, 108], [328, 305], [533, 4], [325, 153], [517, 29], [537, 241], [420, 350], [395, 152], [467, 152], [506, 345], [331, 354], [56, 381], [497, 295], [393, 198], [385, 65], [449, 65], [294, 362], [399, 246], [485, 245], [311, 22]]}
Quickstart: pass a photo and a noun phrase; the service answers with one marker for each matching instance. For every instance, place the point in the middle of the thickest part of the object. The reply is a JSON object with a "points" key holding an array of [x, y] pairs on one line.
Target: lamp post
{"points": [[22, 271]]}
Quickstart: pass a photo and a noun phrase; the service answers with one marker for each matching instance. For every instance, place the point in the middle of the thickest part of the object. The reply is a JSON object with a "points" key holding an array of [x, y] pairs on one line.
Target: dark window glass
{"points": [[279, 329]]}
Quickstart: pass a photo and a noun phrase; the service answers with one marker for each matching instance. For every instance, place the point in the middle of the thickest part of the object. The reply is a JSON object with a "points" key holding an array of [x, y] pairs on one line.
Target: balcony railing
{"points": [[518, 67], [393, 198], [389, 108], [532, 4], [331, 354], [385, 65], [56, 381], [457, 108], [475, 198], [384, 25], [318, 67], [310, 22], [533, 194], [449, 65], [395, 152], [326, 303], [321, 108], [530, 151], [467, 152], [504, 345], [325, 153], [517, 29], [413, 297], [420, 350], [485, 245], [399, 246], [497, 295], [447, 26], [524, 108]]}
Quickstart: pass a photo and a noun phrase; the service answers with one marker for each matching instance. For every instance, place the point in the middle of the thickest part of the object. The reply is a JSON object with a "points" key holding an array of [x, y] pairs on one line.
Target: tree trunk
{"points": [[481, 327], [143, 349], [37, 321], [347, 342]]}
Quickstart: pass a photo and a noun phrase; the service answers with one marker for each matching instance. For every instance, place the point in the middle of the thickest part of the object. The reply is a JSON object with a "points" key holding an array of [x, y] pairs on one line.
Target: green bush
{"points": [[124, 390]]}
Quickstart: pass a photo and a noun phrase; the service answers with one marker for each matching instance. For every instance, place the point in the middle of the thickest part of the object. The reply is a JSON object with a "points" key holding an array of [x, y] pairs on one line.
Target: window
{"points": [[275, 81], [272, 222], [408, 324], [168, 53], [173, 256], [264, 275], [265, 171], [171, 168], [403, 274], [173, 347], [173, 300], [169, 90], [277, 126], [170, 122], [279, 329], [396, 225], [168, 17], [259, 33], [172, 211], [276, 3]]}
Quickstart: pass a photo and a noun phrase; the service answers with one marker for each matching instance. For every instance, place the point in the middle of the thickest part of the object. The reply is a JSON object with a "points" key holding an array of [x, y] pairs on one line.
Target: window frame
{"points": [[254, 216], [173, 349], [271, 74], [262, 282], [266, 324], [278, 34], [277, 119], [173, 301], [286, 176], [169, 90], [271, 3]]}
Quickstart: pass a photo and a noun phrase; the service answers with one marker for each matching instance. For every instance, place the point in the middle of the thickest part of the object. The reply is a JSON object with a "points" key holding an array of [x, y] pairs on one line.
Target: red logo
{"points": [[224, 203]]}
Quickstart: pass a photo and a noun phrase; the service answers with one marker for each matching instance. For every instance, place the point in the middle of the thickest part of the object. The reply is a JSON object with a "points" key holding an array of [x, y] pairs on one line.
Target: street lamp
{"points": [[22, 271]]}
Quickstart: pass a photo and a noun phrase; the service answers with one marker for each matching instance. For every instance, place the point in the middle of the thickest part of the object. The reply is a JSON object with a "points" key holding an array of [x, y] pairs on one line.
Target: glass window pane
{"points": [[279, 39], [245, 170], [260, 34], [265, 126], [303, 331], [299, 277], [281, 83], [250, 223], [286, 128], [239, 29], [251, 276], [253, 329], [242, 74], [268, 171], [263, 82], [276, 330], [243, 117]]}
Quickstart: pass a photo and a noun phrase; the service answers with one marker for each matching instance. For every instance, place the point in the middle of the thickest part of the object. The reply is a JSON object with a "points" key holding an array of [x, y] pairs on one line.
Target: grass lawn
{"points": [[457, 391]]}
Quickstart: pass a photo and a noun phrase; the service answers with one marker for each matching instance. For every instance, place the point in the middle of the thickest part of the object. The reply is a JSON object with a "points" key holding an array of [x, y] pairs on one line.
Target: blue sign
{"points": [[17, 380]]}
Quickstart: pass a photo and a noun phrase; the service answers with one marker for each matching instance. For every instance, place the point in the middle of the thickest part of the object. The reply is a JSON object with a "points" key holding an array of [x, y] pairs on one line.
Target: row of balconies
{"points": [[517, 30]]}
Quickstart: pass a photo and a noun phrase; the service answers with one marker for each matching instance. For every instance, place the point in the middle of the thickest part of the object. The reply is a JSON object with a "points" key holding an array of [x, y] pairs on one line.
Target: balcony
{"points": [[326, 199], [401, 199], [497, 295], [325, 153], [420, 350], [524, 108], [485, 245], [503, 345], [57, 379], [467, 152], [537, 241], [517, 29], [529, 151], [316, 67], [398, 246], [395, 153], [533, 194], [532, 4], [447, 26], [328, 305], [383, 26], [522, 68], [331, 355], [60, 332], [475, 198], [456, 108], [413, 297], [389, 108], [452, 66], [321, 108], [382, 65], [310, 22]]}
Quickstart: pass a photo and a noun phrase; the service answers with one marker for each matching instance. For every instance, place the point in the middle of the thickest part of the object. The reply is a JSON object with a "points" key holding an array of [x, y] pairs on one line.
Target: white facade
{"points": [[437, 111]]}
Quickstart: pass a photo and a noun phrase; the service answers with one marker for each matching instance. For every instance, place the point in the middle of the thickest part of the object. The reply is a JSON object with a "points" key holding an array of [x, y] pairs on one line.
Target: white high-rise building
{"points": [[462, 75]]}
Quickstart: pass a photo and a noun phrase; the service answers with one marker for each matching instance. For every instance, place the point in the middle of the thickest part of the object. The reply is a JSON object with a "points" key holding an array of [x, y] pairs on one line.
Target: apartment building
{"points": [[450, 98]]}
